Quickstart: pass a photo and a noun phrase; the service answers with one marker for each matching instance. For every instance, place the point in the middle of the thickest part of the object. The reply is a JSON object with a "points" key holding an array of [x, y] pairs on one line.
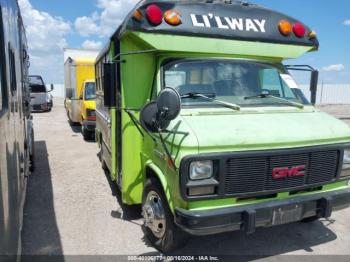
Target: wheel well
{"points": [[151, 174]]}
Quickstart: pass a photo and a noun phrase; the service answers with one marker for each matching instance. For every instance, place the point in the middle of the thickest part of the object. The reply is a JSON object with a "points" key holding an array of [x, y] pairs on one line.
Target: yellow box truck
{"points": [[79, 74]]}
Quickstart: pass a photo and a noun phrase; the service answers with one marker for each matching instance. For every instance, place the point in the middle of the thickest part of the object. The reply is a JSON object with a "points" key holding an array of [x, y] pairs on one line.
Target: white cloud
{"points": [[347, 22], [93, 45], [105, 22], [46, 36], [334, 68], [87, 26]]}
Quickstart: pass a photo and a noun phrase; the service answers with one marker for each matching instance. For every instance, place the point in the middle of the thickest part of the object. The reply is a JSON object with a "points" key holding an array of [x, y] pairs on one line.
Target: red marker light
{"points": [[154, 15], [299, 30]]}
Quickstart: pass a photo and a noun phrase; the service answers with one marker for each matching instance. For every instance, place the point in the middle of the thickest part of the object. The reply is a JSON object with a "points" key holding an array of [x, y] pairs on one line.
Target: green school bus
{"points": [[200, 121]]}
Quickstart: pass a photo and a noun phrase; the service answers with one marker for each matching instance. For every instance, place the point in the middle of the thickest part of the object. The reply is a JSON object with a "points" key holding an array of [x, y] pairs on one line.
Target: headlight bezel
{"points": [[345, 172], [195, 167]]}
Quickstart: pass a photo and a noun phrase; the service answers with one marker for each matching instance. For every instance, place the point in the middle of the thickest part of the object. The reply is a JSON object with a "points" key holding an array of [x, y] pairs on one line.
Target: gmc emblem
{"points": [[284, 172]]}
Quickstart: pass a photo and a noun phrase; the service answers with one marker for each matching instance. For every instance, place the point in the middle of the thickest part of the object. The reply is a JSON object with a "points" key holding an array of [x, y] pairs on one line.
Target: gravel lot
{"points": [[72, 209]]}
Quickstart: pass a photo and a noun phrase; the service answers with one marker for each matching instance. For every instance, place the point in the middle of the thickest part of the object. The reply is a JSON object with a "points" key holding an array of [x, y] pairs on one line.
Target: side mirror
{"points": [[156, 116], [313, 79], [51, 88], [313, 86], [110, 85]]}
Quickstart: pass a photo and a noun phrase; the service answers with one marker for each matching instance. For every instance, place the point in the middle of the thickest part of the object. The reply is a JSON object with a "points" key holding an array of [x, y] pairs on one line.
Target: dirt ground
{"points": [[72, 209]]}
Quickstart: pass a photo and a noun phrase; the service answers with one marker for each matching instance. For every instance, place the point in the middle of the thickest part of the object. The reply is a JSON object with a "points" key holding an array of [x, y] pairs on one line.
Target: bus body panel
{"points": [[14, 114], [136, 73]]}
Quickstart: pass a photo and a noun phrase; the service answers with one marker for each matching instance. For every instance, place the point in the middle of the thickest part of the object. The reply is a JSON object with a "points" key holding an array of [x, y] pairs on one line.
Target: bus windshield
{"points": [[231, 81], [90, 92]]}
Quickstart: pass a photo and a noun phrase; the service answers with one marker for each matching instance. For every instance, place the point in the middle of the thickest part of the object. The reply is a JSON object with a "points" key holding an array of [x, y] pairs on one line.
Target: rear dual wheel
{"points": [[159, 226], [32, 154], [88, 135]]}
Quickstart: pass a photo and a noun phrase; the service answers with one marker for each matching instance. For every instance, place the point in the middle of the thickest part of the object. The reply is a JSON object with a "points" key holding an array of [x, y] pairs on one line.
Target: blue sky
{"points": [[88, 23]]}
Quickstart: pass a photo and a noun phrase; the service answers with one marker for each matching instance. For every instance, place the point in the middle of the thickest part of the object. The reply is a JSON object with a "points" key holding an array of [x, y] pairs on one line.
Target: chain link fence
{"points": [[330, 94]]}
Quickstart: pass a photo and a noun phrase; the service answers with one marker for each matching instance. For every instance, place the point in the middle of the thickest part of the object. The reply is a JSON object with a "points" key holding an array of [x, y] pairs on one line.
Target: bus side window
{"points": [[3, 84], [13, 79]]}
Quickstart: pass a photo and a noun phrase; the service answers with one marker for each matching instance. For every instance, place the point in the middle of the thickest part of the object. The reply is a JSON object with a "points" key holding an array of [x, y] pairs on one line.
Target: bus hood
{"points": [[259, 131]]}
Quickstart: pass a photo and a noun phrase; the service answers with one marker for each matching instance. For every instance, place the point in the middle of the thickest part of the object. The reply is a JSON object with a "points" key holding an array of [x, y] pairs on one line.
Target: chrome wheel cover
{"points": [[154, 215]]}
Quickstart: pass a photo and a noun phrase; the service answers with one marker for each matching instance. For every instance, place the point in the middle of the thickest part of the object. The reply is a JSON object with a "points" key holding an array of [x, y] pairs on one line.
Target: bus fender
{"points": [[153, 170]]}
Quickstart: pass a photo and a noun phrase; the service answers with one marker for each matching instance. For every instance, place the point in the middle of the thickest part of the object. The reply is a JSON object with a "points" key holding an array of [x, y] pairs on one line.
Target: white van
{"points": [[41, 99]]}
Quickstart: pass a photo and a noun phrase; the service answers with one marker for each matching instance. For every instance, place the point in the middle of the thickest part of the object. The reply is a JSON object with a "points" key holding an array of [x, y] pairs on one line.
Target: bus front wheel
{"points": [[159, 226]]}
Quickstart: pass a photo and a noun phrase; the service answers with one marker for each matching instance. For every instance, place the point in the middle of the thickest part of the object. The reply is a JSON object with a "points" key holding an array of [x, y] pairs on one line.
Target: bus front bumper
{"points": [[248, 217]]}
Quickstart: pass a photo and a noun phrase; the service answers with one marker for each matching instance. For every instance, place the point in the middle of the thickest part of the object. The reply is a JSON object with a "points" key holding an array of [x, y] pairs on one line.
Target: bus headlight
{"points": [[346, 164], [200, 170]]}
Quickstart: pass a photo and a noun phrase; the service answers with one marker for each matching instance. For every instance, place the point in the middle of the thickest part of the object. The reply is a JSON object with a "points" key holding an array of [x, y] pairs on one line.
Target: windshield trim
{"points": [[85, 90], [37, 77], [175, 60]]}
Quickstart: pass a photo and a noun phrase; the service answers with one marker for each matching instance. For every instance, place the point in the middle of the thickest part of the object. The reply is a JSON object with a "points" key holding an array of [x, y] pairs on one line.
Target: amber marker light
{"points": [[172, 17], [285, 27], [138, 15]]}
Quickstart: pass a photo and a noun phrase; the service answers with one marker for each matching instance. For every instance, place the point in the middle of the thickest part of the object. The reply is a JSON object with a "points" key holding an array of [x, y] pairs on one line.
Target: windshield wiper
{"points": [[267, 95], [211, 97]]}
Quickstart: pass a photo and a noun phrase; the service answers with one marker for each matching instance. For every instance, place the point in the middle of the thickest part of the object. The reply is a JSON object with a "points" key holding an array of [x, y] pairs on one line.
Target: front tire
{"points": [[159, 226]]}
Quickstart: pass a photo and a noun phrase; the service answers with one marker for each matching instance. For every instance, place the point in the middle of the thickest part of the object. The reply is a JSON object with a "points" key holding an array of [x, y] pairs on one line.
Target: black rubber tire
{"points": [[174, 237], [86, 133], [32, 156], [92, 136], [103, 162], [310, 219]]}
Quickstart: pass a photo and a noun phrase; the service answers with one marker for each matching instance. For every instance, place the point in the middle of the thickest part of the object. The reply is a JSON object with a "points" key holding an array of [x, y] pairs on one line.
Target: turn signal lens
{"points": [[285, 27], [299, 30], [172, 17], [201, 191], [138, 15], [154, 14]]}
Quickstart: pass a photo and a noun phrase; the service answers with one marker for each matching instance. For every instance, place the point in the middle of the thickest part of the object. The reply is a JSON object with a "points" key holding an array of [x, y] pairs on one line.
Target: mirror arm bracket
{"points": [[137, 123], [119, 61], [166, 149], [300, 67]]}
